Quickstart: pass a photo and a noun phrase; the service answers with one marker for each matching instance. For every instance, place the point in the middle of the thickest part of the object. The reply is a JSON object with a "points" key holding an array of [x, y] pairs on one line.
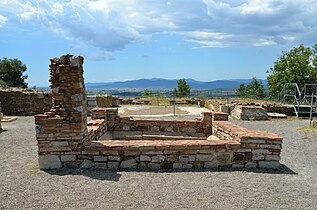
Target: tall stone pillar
{"points": [[61, 132]]}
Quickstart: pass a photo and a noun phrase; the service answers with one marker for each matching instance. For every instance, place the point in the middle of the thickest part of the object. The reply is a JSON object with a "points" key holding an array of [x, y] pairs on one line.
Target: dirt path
{"points": [[23, 186]]}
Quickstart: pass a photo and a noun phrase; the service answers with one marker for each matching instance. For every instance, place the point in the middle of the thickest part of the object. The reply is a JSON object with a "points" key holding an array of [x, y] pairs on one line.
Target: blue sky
{"points": [[131, 39]]}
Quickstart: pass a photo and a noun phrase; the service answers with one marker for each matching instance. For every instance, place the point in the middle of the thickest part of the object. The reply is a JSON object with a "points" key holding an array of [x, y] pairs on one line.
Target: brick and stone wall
{"points": [[249, 113], [102, 101], [61, 132], [197, 128], [66, 139], [257, 149], [21, 102]]}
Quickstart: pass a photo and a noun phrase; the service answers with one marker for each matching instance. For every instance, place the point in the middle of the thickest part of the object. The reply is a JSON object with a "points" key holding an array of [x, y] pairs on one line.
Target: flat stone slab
{"points": [[8, 119], [275, 115], [162, 144]]}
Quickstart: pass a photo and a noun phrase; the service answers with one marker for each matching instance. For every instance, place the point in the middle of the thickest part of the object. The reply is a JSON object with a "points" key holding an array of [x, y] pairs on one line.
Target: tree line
{"points": [[299, 65]]}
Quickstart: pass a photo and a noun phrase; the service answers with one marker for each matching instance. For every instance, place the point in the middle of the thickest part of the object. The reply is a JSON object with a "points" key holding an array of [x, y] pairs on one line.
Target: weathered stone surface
{"points": [[223, 158], [87, 164], [158, 158], [171, 158], [273, 157], [114, 158], [70, 165], [100, 158], [187, 166], [142, 165], [128, 164], [250, 165], [186, 158], [211, 165], [200, 157], [101, 165], [145, 158], [177, 165], [269, 164], [155, 166], [113, 165], [238, 158], [68, 158], [258, 157], [49, 162]]}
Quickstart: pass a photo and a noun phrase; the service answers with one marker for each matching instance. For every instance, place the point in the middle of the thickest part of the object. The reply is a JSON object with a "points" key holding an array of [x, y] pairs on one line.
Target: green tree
{"points": [[296, 66], [147, 93], [254, 89], [241, 91], [183, 89], [11, 73]]}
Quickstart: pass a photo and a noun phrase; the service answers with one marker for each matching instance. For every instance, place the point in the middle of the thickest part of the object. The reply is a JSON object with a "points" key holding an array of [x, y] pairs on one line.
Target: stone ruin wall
{"points": [[66, 139], [23, 103], [102, 101], [249, 113], [144, 128]]}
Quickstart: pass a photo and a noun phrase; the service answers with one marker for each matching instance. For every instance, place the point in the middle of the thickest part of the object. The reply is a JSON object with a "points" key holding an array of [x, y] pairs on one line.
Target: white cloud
{"points": [[111, 25], [3, 20]]}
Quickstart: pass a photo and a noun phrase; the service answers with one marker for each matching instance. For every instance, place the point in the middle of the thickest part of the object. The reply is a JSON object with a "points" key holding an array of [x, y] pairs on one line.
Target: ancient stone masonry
{"points": [[61, 132], [257, 149], [249, 113], [16, 101], [108, 141], [102, 101]]}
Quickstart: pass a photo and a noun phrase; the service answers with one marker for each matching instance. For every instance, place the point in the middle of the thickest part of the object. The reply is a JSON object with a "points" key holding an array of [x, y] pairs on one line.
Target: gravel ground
{"points": [[294, 186]]}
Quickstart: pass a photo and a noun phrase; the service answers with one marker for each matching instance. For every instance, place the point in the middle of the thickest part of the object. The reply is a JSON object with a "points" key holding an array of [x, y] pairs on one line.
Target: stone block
{"points": [[171, 158], [142, 165], [113, 165], [269, 164], [257, 157], [250, 165], [158, 158], [177, 166], [128, 164], [273, 157], [101, 165], [68, 158], [145, 158], [186, 158], [211, 165], [155, 166], [86, 164], [100, 158], [187, 166], [70, 165], [223, 158], [114, 158], [200, 157], [49, 162]]}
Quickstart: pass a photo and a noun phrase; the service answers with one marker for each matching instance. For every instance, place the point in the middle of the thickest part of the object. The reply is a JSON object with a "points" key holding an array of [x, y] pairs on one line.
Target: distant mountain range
{"points": [[157, 83]]}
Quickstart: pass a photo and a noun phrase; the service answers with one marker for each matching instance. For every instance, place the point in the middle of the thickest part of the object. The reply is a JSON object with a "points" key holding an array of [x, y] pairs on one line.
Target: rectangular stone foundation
{"points": [[108, 141]]}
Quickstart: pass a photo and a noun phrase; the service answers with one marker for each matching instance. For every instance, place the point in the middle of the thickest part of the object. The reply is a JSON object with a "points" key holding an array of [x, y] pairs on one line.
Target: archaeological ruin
{"points": [[108, 141], [22, 102]]}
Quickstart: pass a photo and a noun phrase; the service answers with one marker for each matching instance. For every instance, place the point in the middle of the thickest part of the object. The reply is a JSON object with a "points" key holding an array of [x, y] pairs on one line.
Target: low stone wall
{"points": [[249, 113], [102, 101], [258, 149], [199, 127], [23, 103]]}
